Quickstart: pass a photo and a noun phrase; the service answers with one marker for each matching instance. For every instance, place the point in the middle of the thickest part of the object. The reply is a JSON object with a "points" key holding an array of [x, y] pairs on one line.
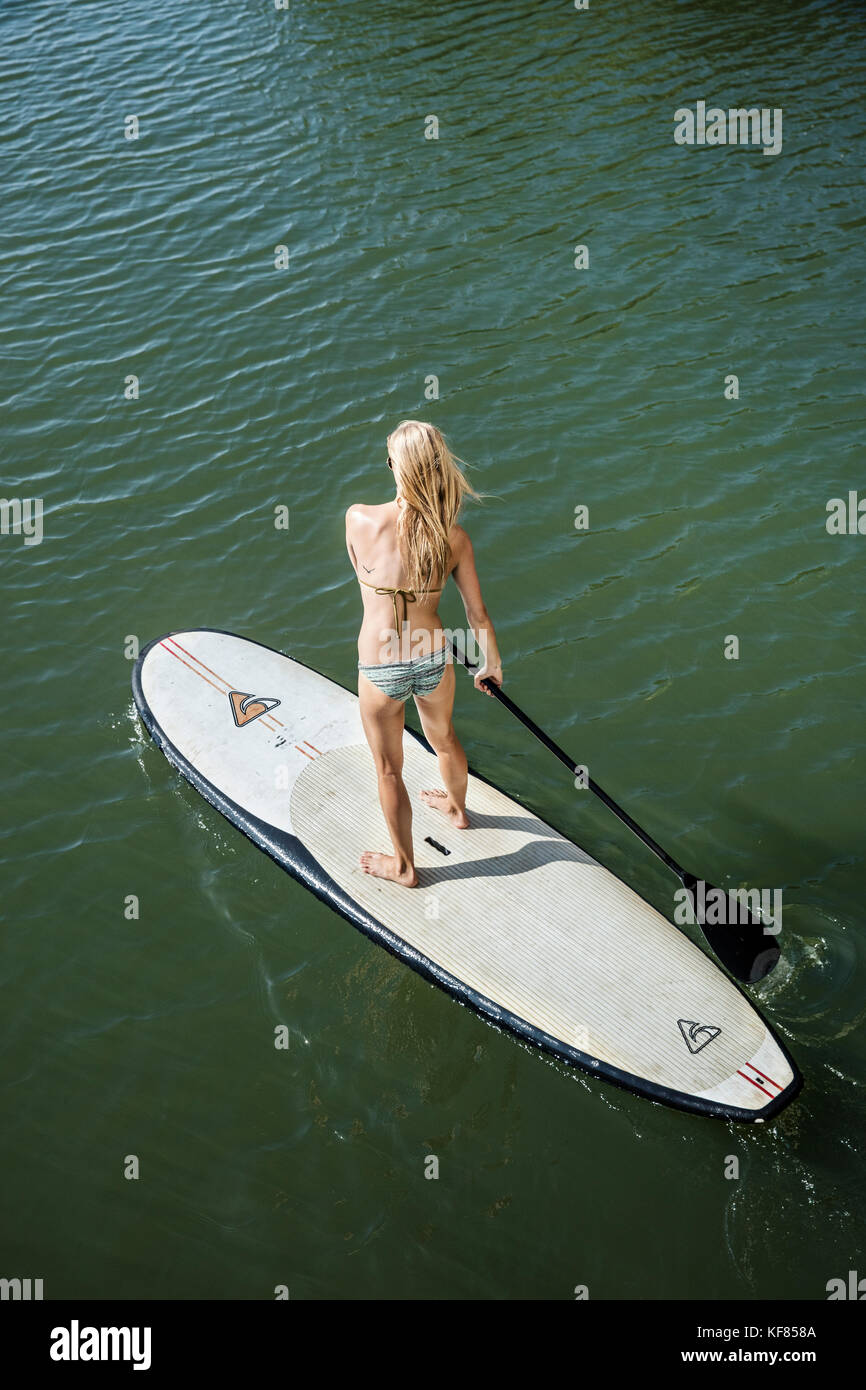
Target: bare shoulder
{"points": [[362, 512], [461, 545]]}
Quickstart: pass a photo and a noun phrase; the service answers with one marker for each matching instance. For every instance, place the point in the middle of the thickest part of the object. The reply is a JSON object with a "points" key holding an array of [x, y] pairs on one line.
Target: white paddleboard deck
{"points": [[509, 916]]}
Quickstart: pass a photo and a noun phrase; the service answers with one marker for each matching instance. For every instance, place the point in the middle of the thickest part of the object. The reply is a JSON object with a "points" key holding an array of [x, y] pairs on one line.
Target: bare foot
{"points": [[387, 866], [438, 801]]}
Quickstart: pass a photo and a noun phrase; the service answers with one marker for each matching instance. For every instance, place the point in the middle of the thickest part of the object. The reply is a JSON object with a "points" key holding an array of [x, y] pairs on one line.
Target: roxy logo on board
{"points": [[246, 708], [697, 1035]]}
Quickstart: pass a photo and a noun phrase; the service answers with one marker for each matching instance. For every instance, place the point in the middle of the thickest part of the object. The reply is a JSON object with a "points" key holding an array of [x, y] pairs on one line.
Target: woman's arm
{"points": [[477, 616]]}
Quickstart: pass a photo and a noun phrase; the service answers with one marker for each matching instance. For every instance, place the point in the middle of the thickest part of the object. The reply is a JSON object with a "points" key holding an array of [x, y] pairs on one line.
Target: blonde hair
{"points": [[433, 488]]}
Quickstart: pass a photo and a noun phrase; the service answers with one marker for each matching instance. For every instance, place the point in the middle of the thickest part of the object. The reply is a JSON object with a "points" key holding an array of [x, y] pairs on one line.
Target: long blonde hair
{"points": [[433, 488]]}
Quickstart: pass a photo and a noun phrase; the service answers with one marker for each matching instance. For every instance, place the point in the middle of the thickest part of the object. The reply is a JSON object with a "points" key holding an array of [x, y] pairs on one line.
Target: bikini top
{"points": [[408, 596]]}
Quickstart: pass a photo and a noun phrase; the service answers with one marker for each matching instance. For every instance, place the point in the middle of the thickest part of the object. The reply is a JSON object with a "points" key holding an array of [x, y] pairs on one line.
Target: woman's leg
{"points": [[435, 711], [383, 723]]}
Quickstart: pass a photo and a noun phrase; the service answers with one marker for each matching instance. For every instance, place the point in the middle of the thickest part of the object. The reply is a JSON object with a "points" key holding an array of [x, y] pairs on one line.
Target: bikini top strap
{"points": [[408, 596]]}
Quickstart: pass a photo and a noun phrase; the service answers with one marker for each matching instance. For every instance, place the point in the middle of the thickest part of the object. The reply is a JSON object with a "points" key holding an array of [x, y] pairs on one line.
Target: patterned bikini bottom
{"points": [[400, 679]]}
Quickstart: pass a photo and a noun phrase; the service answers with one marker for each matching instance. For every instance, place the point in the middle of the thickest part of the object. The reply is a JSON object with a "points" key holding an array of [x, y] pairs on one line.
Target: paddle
{"points": [[742, 946]]}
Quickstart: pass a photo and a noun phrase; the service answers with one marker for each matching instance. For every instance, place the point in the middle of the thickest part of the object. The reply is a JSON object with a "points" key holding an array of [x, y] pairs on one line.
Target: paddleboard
{"points": [[510, 917]]}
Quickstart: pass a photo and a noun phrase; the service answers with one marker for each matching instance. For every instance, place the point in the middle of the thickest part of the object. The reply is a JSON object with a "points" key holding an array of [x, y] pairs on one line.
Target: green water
{"points": [[411, 258]]}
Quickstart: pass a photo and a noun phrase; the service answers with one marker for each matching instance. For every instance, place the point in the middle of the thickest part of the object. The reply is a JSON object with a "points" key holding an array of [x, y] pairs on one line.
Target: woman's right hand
{"points": [[490, 671]]}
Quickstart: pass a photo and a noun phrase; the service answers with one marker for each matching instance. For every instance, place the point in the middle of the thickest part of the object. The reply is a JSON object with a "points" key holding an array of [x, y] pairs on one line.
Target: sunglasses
{"points": [[390, 463]]}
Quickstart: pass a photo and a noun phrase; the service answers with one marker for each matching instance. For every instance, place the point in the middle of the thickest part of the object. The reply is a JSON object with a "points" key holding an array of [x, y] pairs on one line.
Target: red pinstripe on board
{"points": [[762, 1077], [754, 1083], [199, 662]]}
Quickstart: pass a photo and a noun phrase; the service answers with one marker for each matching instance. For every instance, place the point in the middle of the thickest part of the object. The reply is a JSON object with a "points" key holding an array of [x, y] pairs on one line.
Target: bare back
{"points": [[371, 540]]}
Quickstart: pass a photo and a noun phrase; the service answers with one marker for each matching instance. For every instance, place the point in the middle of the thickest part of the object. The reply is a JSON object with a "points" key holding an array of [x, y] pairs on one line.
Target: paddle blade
{"points": [[744, 941]]}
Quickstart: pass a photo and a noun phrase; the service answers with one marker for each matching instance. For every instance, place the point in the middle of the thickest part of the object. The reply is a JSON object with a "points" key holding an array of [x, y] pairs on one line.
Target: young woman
{"points": [[403, 552]]}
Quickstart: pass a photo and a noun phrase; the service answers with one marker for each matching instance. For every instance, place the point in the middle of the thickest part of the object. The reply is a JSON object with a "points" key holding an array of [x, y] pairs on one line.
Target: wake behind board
{"points": [[509, 916]]}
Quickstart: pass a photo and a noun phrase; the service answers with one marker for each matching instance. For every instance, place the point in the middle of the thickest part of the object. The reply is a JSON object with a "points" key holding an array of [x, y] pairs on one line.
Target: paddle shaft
{"points": [[734, 943], [560, 753]]}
